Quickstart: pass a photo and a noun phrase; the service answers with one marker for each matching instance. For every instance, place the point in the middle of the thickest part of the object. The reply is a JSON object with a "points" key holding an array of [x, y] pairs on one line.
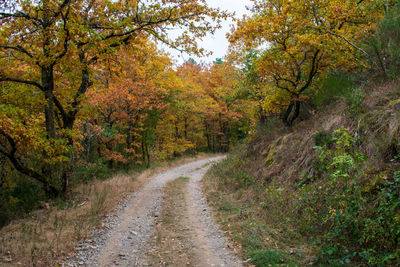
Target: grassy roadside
{"points": [[170, 244], [262, 240], [52, 232]]}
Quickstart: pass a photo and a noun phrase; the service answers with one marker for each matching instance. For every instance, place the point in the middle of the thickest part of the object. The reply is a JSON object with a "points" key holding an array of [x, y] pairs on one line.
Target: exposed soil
{"points": [[124, 239]]}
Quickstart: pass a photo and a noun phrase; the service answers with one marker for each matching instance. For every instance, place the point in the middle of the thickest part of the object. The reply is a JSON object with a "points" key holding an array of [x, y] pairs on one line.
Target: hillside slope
{"points": [[324, 192]]}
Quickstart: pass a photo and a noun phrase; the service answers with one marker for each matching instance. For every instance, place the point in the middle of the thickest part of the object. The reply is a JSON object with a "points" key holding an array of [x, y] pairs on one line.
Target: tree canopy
{"points": [[300, 41]]}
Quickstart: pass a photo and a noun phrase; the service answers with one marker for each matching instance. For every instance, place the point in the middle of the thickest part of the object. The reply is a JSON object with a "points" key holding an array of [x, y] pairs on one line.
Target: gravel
{"points": [[210, 243], [122, 239]]}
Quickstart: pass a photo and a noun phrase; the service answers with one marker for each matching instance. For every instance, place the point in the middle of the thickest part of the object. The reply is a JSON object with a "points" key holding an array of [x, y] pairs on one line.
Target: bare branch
{"points": [[11, 155], [312, 73], [347, 41], [15, 80], [17, 48]]}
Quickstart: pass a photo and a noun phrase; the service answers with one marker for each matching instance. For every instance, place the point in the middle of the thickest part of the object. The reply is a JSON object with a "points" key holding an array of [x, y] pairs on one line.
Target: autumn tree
{"points": [[229, 108], [300, 41], [206, 111], [134, 88], [180, 128], [50, 48]]}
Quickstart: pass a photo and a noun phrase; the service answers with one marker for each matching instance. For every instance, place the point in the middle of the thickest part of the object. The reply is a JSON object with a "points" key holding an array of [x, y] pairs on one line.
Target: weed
{"points": [[244, 208], [326, 213], [348, 230], [184, 179], [205, 165], [89, 172]]}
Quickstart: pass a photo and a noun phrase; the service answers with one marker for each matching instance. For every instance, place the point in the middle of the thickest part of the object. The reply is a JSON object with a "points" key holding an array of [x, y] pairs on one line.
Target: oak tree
{"points": [[300, 41], [52, 47]]}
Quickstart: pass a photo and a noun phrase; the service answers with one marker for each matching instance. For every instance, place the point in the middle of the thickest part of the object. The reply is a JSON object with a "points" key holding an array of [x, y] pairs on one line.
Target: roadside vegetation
{"points": [[324, 191]]}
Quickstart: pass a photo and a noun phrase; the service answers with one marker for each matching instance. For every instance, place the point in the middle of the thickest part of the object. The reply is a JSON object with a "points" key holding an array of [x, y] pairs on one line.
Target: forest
{"points": [[87, 92]]}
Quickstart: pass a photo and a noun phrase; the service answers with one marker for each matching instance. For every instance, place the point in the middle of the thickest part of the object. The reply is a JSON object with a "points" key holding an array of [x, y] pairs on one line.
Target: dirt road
{"points": [[124, 237]]}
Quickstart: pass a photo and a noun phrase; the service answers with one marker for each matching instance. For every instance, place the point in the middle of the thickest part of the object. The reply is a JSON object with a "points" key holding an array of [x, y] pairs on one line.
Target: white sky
{"points": [[216, 43]]}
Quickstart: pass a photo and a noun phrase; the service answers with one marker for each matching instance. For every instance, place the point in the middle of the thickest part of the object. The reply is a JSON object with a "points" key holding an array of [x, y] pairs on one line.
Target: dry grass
{"points": [[171, 245], [52, 233], [253, 229]]}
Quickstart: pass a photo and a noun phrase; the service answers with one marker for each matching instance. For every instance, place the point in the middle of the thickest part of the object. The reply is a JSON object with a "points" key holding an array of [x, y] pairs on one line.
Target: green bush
{"points": [[354, 99], [90, 171], [264, 257], [332, 88], [232, 172], [381, 229], [349, 225], [323, 138], [20, 196]]}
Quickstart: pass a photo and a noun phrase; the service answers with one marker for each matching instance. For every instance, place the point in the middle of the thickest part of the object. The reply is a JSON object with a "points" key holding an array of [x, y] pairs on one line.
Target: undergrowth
{"points": [[325, 194], [331, 218], [352, 225], [239, 201]]}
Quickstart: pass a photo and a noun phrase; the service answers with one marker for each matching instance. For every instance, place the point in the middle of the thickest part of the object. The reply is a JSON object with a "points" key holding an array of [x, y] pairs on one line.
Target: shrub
{"points": [[332, 88], [263, 257], [354, 99], [323, 138], [90, 171], [348, 224], [20, 196]]}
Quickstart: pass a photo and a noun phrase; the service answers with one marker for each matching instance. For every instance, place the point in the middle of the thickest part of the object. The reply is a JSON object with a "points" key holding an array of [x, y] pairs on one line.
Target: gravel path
{"points": [[210, 244], [122, 241]]}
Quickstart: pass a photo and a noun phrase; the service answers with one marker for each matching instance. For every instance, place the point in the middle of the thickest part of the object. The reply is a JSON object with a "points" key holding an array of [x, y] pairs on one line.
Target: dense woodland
{"points": [[86, 90]]}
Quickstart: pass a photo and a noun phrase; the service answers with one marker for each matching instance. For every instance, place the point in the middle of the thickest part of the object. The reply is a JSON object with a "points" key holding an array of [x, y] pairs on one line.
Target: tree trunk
{"points": [[145, 151], [263, 118], [176, 131], [291, 113], [147, 155], [208, 137], [227, 136], [129, 136], [2, 178], [220, 134], [65, 178], [48, 87], [380, 63], [213, 143], [186, 128]]}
